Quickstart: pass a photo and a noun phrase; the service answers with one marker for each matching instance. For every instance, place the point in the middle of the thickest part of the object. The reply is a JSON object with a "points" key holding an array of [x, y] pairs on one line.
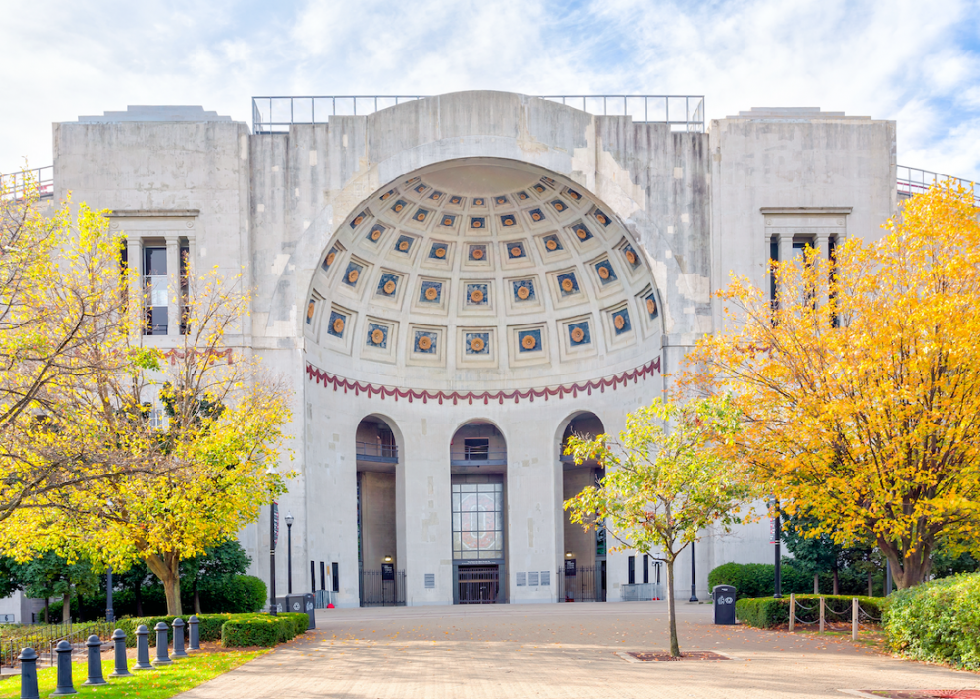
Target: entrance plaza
{"points": [[549, 650]]}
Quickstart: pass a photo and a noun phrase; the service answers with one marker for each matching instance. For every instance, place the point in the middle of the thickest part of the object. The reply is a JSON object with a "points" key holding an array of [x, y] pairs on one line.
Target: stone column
{"points": [[173, 284], [785, 246], [823, 250], [134, 255]]}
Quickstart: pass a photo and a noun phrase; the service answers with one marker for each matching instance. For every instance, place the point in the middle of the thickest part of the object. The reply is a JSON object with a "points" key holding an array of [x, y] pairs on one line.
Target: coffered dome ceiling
{"points": [[482, 271]]}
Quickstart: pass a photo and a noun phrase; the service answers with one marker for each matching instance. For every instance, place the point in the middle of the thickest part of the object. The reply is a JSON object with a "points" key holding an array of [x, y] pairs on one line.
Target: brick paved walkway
{"points": [[558, 651]]}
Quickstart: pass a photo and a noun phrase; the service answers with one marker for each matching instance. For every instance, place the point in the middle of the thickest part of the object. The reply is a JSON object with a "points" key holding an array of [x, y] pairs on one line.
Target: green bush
{"points": [[759, 579], [767, 612], [263, 630], [938, 621], [236, 594], [208, 628]]}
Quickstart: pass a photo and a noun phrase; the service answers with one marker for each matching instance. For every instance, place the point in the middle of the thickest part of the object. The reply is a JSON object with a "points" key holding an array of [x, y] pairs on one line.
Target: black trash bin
{"points": [[294, 603], [309, 599], [724, 598]]}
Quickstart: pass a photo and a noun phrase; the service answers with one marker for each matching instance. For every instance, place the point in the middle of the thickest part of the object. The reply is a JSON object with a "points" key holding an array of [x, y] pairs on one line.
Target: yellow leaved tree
{"points": [[130, 451], [860, 387], [62, 306]]}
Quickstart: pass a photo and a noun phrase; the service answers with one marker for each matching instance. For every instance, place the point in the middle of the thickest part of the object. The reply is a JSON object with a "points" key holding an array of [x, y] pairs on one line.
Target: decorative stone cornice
{"points": [[561, 390]]}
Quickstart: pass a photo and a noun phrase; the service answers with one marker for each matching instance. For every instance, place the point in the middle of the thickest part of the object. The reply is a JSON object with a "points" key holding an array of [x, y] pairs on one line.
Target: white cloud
{"points": [[904, 60]]}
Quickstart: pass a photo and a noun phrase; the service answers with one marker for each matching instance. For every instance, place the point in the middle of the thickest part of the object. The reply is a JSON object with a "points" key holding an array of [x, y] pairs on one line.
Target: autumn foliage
{"points": [[860, 386]]}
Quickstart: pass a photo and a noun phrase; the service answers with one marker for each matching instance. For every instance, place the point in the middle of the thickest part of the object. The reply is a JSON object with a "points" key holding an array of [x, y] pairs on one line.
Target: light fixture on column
{"points": [[387, 559], [568, 554]]}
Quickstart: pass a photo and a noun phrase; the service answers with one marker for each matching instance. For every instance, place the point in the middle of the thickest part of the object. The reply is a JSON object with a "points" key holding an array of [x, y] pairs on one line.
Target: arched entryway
{"points": [[478, 466], [380, 563], [582, 575]]}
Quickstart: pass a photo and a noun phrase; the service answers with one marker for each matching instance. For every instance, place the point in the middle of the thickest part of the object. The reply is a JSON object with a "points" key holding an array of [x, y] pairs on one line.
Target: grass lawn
{"points": [[147, 684]]}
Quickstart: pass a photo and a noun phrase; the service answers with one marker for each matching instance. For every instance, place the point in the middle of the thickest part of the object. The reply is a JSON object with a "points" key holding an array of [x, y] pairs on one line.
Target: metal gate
{"points": [[587, 585], [378, 592], [478, 584]]}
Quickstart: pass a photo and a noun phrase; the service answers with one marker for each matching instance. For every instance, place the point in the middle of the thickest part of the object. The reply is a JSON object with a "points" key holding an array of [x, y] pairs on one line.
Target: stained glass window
{"points": [[478, 521]]}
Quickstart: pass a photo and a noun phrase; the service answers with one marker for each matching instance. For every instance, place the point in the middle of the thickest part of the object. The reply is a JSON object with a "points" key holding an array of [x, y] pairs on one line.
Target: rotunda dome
{"points": [[482, 272]]}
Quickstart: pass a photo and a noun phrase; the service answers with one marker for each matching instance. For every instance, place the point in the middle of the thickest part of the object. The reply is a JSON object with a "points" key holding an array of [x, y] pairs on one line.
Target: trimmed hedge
{"points": [[210, 626], [767, 612], [938, 621], [263, 630], [759, 579]]}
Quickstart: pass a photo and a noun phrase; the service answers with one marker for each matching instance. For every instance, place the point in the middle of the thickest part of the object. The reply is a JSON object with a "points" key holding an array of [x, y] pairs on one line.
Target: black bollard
{"points": [[179, 651], [65, 685], [142, 649], [94, 661], [121, 669], [195, 634], [28, 674], [162, 657]]}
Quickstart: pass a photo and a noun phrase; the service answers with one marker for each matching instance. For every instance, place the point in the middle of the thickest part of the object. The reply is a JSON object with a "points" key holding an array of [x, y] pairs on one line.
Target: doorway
{"points": [[477, 584]]}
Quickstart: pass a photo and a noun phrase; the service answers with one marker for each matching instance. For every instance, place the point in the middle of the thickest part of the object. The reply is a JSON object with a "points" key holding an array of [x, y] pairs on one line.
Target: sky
{"points": [[915, 62]]}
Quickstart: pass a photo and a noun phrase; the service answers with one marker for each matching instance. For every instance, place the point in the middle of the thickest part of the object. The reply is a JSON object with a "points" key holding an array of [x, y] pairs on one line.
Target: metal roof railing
{"points": [[277, 114], [912, 181], [16, 184]]}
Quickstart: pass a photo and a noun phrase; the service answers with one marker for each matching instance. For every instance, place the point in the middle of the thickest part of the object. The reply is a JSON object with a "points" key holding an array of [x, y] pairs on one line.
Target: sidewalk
{"points": [[556, 651]]}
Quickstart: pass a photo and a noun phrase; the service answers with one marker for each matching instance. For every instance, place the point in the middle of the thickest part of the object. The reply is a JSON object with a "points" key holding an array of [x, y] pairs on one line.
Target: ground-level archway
{"points": [[381, 573], [582, 576], [478, 466]]}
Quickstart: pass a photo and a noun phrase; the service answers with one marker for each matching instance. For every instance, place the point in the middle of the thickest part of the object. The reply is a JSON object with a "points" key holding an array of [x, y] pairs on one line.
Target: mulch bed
{"points": [[667, 657]]}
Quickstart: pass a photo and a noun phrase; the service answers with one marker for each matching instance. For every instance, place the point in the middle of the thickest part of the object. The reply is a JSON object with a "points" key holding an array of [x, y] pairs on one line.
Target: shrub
{"points": [[759, 579], [767, 612], [208, 628], [236, 594], [263, 630], [938, 621]]}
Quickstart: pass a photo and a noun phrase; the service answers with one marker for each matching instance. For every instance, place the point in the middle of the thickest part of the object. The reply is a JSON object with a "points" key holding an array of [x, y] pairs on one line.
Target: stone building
{"points": [[454, 285]]}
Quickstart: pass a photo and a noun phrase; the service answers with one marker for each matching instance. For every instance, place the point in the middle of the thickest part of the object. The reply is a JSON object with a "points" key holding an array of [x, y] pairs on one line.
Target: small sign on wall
{"points": [[387, 571], [569, 567]]}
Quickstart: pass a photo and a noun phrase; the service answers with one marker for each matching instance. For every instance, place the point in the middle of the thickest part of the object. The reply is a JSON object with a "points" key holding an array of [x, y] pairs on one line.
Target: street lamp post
{"points": [[694, 595], [777, 531], [109, 614], [289, 552], [273, 526]]}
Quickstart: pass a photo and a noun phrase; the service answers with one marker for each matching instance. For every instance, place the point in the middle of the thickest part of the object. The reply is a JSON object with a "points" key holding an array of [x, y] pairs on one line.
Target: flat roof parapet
{"points": [[152, 112]]}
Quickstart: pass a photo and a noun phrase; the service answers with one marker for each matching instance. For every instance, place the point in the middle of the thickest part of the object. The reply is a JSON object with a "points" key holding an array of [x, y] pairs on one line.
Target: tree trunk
{"points": [[675, 649], [816, 583], [46, 602], [836, 581], [197, 598], [871, 587], [913, 568], [66, 607], [167, 567]]}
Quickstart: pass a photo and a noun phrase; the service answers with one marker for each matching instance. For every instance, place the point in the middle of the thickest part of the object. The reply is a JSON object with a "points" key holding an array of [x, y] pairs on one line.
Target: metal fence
{"points": [[641, 592], [324, 597], [277, 114], [44, 637], [584, 586], [378, 592], [377, 451], [17, 184], [912, 181]]}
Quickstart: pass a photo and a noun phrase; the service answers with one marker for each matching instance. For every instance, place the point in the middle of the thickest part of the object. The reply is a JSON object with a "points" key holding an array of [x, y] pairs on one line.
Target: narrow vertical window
{"points": [[631, 562], [646, 569], [155, 289]]}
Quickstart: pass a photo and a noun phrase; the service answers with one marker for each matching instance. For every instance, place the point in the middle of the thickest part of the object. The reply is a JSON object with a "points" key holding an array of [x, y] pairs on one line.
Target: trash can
{"points": [[724, 599], [309, 599], [294, 603]]}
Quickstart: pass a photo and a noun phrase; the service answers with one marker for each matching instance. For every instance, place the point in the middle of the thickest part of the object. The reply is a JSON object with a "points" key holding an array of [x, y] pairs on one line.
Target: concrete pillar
{"points": [[785, 247], [823, 253], [134, 254], [173, 284]]}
